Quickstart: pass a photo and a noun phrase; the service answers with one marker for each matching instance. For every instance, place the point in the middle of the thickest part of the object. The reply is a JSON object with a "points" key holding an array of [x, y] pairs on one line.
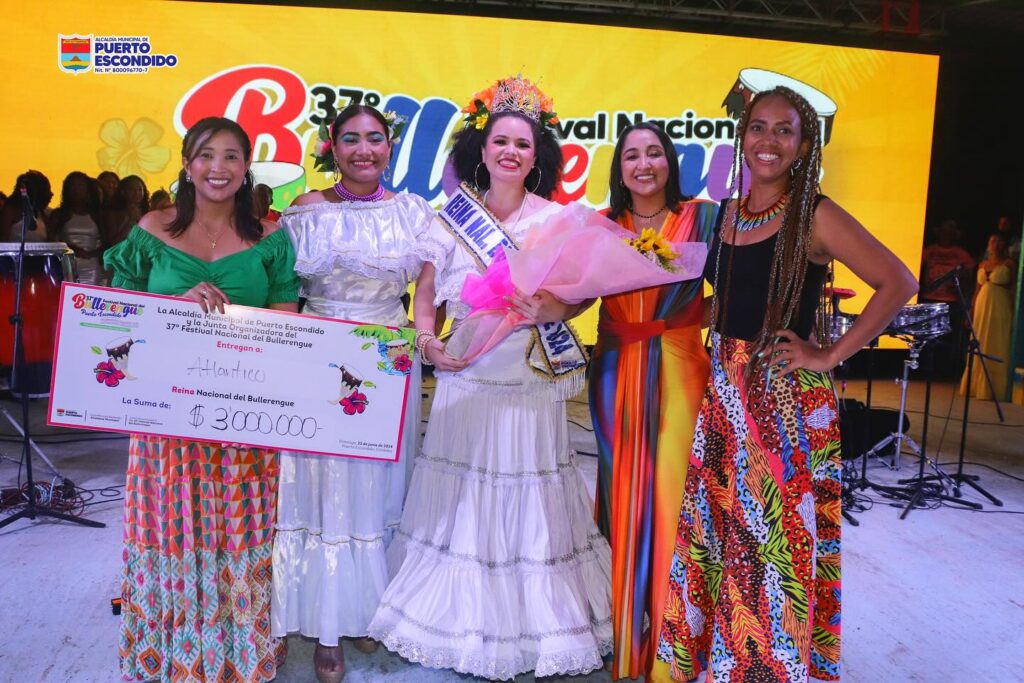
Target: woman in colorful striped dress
{"points": [[647, 378], [755, 580], [199, 516]]}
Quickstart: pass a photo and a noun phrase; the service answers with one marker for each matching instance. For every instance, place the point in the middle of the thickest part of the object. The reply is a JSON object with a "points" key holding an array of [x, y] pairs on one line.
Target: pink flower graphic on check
{"points": [[107, 373], [356, 403], [350, 396], [402, 363]]}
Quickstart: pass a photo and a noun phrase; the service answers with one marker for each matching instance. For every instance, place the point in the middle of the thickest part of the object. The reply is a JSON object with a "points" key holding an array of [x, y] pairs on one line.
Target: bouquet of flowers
{"points": [[576, 254]]}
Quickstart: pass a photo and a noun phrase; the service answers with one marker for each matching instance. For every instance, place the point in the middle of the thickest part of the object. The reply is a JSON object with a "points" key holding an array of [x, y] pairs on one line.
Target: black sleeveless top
{"points": [[748, 289]]}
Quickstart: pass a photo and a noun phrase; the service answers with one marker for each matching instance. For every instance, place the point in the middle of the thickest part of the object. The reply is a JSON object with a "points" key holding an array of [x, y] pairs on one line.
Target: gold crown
{"points": [[512, 94]]}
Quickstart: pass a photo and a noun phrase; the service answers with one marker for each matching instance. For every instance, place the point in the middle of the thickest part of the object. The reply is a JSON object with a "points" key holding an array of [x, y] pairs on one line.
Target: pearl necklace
{"points": [[747, 220], [346, 196]]}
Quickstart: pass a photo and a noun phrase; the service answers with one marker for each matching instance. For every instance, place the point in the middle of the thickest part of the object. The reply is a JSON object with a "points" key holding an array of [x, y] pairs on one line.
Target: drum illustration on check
{"points": [[115, 368], [352, 400]]}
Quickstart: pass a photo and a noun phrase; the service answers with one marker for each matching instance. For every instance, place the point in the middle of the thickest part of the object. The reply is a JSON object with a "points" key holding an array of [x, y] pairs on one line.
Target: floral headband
{"points": [[322, 150], [515, 94]]}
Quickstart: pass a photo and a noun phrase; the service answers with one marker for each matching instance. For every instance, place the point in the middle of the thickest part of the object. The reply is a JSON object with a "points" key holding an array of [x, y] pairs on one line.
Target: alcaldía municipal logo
{"points": [[74, 53]]}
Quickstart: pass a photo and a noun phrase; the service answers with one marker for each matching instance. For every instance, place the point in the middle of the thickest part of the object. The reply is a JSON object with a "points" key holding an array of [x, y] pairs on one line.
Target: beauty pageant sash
{"points": [[555, 351]]}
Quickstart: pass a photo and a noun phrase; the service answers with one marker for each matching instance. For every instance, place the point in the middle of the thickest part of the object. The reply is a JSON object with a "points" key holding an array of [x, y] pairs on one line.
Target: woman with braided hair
{"points": [[754, 585]]}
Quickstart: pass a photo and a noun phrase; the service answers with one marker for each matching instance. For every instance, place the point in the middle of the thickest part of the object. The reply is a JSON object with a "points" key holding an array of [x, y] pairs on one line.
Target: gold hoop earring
{"points": [[336, 176], [476, 176], [536, 185]]}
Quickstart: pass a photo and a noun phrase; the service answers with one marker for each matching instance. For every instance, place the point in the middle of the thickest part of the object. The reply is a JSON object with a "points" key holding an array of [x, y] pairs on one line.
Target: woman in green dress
{"points": [[199, 516]]}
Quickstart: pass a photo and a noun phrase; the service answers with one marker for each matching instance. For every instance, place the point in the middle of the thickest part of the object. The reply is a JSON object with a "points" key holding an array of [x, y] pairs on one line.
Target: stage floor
{"points": [[938, 596]]}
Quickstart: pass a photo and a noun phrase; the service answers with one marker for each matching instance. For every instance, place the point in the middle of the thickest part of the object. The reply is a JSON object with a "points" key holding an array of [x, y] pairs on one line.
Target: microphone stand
{"points": [[32, 509]]}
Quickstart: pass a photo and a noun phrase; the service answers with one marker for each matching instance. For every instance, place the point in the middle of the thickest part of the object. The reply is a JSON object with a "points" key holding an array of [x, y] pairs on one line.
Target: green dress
{"points": [[199, 517]]}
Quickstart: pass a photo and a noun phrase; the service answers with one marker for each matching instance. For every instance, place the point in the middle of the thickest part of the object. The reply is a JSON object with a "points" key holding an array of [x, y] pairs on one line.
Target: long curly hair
{"points": [[789, 258], [246, 224], [467, 155]]}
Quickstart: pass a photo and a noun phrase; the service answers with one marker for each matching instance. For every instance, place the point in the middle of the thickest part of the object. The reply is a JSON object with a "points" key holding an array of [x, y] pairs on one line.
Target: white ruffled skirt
{"points": [[498, 566], [335, 519]]}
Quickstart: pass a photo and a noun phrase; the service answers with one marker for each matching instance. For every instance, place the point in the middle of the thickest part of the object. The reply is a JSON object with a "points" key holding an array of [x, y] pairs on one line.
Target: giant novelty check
{"points": [[134, 362]]}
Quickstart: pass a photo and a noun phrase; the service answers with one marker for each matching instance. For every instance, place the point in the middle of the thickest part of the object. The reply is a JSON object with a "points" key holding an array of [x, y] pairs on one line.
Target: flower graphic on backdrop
{"points": [[132, 151]]}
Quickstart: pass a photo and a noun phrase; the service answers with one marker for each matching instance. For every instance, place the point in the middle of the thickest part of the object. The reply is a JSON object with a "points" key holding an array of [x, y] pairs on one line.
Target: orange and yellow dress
{"points": [[647, 379]]}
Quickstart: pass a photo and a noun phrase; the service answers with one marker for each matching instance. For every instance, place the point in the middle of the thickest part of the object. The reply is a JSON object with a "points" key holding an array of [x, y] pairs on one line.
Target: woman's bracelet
{"points": [[424, 337]]}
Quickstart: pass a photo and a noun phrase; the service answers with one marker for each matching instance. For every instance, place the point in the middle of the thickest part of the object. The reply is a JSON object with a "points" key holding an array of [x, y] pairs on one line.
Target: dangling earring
{"points": [[476, 175], [188, 177], [386, 175], [795, 167], [336, 176], [540, 174]]}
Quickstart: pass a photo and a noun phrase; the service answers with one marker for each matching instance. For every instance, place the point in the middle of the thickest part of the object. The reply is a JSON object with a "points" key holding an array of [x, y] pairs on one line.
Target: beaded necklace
{"points": [[747, 220], [346, 196]]}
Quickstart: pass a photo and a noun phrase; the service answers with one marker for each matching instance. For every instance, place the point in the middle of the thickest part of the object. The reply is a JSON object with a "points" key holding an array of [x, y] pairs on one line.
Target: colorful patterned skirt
{"points": [[198, 531], [755, 581]]}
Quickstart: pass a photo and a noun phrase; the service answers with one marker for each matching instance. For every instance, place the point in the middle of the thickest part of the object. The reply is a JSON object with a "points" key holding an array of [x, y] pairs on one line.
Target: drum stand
{"points": [[973, 349], [863, 482], [921, 486], [898, 437], [32, 509]]}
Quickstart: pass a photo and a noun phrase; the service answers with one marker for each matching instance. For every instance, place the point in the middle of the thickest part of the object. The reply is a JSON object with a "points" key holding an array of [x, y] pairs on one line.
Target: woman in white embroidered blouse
{"points": [[336, 516]]}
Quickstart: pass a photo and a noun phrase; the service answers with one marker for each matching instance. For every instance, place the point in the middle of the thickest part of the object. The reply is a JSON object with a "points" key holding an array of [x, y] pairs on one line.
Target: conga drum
{"points": [[47, 265]]}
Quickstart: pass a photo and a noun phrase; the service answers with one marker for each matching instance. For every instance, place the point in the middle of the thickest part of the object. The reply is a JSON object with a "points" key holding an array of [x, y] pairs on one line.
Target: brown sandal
{"points": [[328, 664], [365, 645]]}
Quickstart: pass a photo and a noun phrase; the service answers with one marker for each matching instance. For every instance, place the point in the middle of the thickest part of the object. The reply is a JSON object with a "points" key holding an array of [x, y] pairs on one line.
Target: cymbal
{"points": [[839, 292]]}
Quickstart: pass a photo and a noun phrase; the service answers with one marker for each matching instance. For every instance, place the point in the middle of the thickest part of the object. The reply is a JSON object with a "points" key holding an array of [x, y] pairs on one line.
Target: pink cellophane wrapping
{"points": [[577, 254]]}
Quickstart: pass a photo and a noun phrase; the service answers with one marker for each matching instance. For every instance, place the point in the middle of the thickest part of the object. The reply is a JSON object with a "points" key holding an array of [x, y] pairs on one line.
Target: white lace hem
{"points": [[464, 660]]}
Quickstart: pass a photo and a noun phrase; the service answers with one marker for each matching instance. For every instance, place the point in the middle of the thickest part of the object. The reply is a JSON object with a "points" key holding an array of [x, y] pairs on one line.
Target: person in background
{"points": [[76, 222], [160, 200], [131, 202], [993, 319], [196, 582], [1006, 228], [264, 199], [647, 378], [108, 181], [37, 187]]}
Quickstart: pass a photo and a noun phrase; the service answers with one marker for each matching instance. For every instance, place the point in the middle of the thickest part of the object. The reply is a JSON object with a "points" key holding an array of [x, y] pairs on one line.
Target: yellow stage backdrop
{"points": [[115, 85]]}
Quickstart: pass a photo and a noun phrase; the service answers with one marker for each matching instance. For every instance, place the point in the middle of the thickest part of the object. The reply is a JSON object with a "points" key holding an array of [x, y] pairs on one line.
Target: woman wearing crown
{"points": [[353, 245], [498, 566]]}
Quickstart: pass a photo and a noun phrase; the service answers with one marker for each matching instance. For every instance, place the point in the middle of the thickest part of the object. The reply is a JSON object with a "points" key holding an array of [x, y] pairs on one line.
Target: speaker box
{"points": [[860, 429]]}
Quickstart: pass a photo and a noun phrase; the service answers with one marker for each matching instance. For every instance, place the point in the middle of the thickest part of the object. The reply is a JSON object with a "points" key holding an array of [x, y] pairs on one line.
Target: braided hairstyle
{"points": [[789, 258]]}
